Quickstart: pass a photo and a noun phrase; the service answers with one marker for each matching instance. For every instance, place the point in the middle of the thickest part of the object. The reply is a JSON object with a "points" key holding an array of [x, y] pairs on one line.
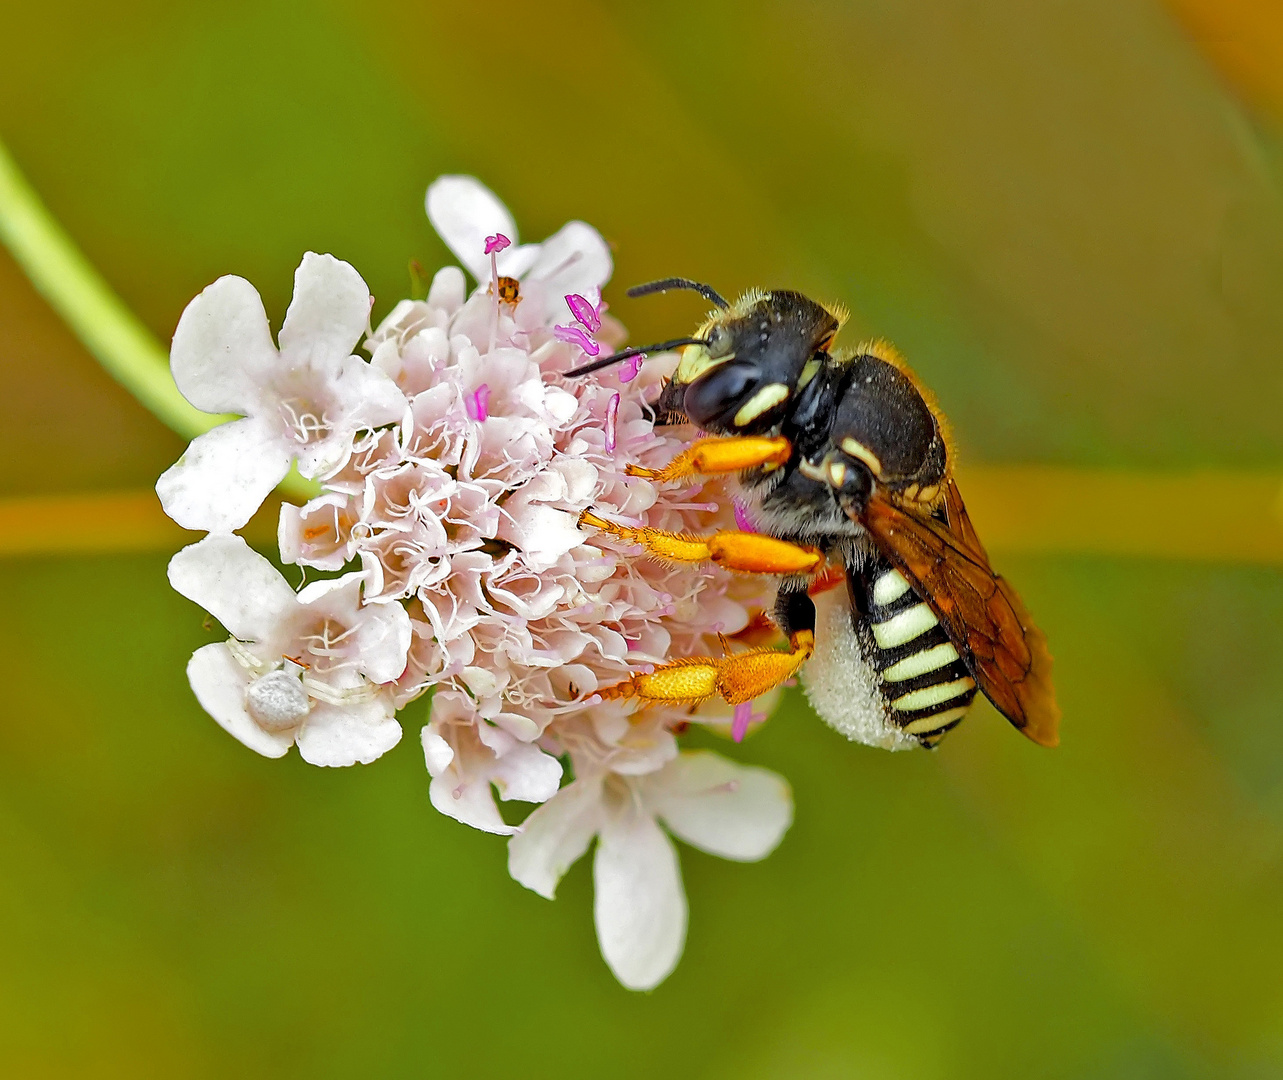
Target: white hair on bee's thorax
{"points": [[842, 686]]}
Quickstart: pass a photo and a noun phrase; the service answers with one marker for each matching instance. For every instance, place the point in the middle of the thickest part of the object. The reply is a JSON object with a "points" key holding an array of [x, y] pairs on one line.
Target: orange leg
{"points": [[736, 678], [832, 577], [733, 453], [749, 553]]}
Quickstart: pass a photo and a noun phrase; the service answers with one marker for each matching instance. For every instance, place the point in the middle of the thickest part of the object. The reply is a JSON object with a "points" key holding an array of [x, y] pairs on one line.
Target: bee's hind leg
{"points": [[736, 677]]}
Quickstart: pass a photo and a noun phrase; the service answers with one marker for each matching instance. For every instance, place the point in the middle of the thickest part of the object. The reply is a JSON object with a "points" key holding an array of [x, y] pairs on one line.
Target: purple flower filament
{"points": [[478, 403], [587, 314], [576, 336]]}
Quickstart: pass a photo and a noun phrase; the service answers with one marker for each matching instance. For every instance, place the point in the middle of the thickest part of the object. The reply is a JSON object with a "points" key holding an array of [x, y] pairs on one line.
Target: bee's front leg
{"points": [[732, 453]]}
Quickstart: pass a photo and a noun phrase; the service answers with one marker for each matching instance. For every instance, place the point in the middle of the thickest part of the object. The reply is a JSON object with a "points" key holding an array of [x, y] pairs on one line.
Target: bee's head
{"points": [[741, 378], [740, 370]]}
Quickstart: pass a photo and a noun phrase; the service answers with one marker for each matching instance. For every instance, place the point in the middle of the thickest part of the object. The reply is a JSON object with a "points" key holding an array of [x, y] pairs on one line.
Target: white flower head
{"points": [[302, 402], [454, 467]]}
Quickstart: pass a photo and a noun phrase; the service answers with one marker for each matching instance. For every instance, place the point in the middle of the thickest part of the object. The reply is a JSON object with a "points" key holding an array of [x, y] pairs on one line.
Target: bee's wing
{"points": [[978, 609]]}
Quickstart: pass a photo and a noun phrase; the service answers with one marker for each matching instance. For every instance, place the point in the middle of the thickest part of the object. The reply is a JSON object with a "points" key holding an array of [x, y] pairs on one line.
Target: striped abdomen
{"points": [[924, 681]]}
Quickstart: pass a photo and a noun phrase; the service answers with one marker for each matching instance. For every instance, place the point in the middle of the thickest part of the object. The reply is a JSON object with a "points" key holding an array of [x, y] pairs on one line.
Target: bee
{"points": [[845, 460]]}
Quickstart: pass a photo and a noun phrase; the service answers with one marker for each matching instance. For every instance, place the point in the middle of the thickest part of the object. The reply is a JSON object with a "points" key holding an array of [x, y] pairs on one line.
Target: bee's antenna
{"points": [[706, 291], [614, 358]]}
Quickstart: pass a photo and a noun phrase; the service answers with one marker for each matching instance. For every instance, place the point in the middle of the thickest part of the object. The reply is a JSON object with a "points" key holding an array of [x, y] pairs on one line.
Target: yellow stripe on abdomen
{"points": [[932, 723], [920, 663], [889, 588], [933, 695], [911, 623]]}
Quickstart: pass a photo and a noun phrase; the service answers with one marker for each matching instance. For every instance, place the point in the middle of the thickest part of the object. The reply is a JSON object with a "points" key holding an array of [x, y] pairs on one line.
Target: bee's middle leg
{"points": [[749, 553]]}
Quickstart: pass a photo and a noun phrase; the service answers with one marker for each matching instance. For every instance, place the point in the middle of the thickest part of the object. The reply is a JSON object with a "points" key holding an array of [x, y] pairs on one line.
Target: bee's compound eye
{"points": [[719, 341], [718, 394]]}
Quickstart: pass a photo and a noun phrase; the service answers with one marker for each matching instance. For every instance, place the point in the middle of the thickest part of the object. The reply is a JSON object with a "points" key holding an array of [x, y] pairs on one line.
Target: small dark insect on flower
{"points": [[509, 290]]}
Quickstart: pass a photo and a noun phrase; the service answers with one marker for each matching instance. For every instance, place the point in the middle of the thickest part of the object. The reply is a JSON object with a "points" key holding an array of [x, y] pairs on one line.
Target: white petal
{"points": [[516, 261], [345, 735], [643, 749], [574, 259], [448, 289], [223, 478], [464, 212], [339, 597], [555, 836], [222, 346], [469, 802], [525, 773], [382, 641], [235, 584], [369, 395], [719, 806], [437, 753], [519, 726], [638, 903], [329, 313], [543, 533], [219, 683]]}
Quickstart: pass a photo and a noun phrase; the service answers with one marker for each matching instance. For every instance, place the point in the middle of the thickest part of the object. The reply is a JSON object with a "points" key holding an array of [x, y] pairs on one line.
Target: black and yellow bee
{"points": [[846, 462]]}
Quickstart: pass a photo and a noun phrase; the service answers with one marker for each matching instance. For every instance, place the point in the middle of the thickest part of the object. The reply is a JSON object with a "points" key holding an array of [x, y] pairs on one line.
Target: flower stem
{"points": [[115, 337], [96, 315]]}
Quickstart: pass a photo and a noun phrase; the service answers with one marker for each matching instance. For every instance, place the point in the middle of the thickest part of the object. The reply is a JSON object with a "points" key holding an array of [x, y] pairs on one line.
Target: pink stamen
{"points": [[585, 312], [575, 336], [478, 404], [742, 520], [739, 725], [612, 411], [493, 245], [629, 368]]}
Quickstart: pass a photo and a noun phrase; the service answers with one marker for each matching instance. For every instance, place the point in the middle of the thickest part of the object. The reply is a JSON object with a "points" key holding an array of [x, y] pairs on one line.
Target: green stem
{"points": [[96, 315]]}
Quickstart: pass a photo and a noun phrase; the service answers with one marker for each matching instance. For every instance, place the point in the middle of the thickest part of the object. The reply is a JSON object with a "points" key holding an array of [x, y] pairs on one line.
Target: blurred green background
{"points": [[1070, 218]]}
